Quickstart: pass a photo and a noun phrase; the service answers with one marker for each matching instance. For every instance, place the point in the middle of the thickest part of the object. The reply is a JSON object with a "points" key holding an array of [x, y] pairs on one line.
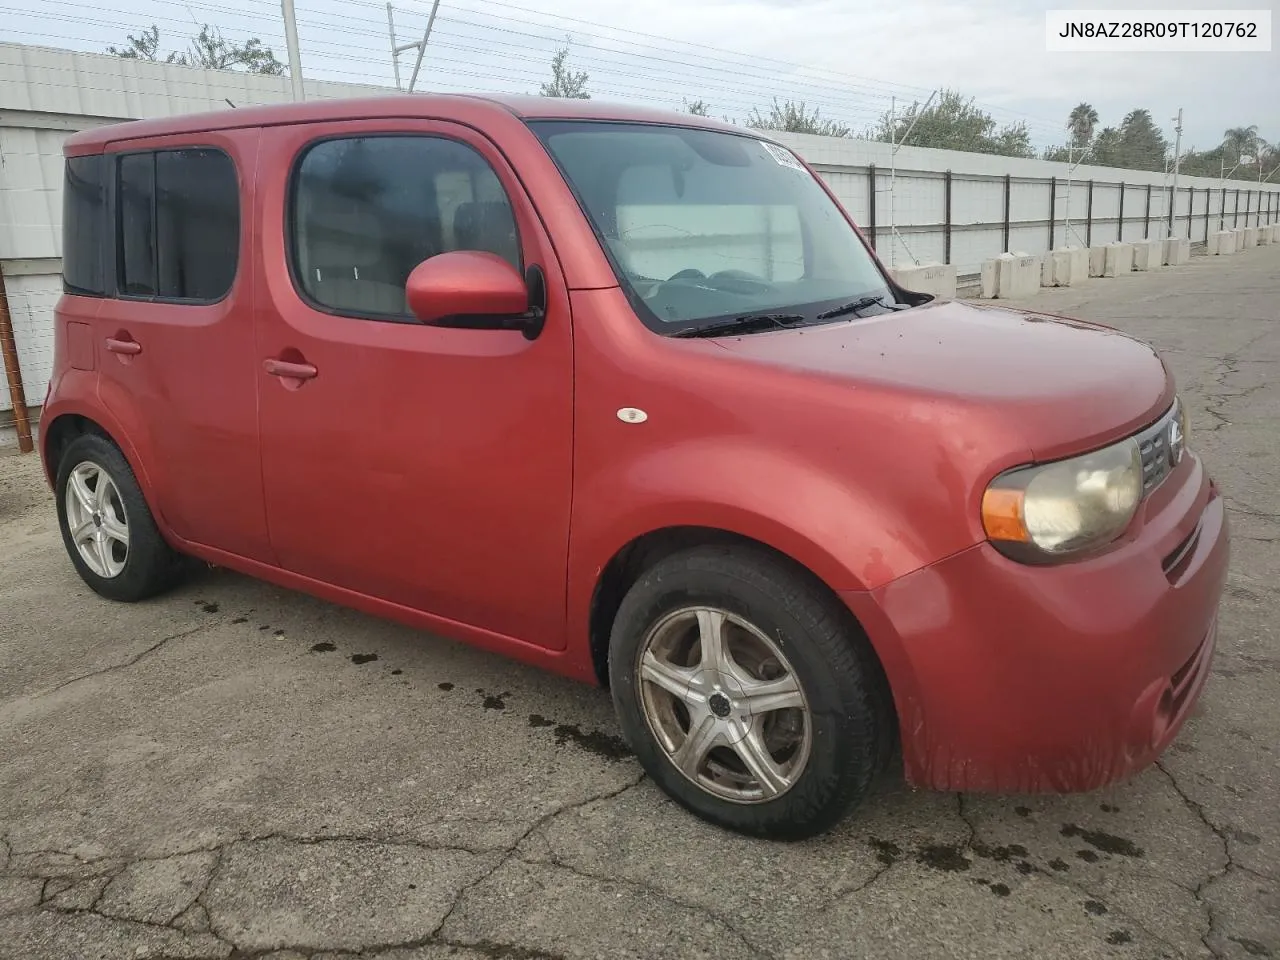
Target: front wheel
{"points": [[747, 692], [107, 528]]}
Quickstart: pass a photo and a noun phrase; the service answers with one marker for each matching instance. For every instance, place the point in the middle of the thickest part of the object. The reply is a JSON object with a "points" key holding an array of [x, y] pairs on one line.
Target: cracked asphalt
{"points": [[239, 771]]}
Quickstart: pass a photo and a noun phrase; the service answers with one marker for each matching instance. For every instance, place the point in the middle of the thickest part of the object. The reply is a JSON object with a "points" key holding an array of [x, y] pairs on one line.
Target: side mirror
{"points": [[474, 290]]}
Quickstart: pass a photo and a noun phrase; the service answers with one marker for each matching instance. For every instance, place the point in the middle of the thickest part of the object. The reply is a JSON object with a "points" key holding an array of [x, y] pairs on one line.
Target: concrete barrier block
{"points": [[1177, 251], [1250, 236], [1017, 275], [1266, 236], [1118, 259], [1239, 234], [936, 278], [1097, 261], [1221, 243], [1065, 267], [987, 278], [1148, 255]]}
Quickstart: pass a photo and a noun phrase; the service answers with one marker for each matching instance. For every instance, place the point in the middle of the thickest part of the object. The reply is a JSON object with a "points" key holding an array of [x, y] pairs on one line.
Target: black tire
{"points": [[151, 566], [852, 715]]}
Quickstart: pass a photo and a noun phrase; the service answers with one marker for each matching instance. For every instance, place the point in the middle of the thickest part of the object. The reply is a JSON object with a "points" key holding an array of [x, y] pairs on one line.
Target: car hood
{"points": [[1064, 385]]}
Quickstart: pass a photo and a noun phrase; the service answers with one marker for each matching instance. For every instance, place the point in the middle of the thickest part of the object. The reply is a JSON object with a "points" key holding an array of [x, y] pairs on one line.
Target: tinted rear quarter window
{"points": [[84, 225], [197, 224], [135, 201], [179, 224]]}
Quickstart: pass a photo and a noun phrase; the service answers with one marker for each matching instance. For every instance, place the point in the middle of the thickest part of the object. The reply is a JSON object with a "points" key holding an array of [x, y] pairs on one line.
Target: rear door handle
{"points": [[130, 348], [289, 371]]}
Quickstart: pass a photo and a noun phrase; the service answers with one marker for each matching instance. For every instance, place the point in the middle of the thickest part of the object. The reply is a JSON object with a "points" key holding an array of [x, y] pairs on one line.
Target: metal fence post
{"points": [[1053, 208], [871, 204], [946, 214], [1088, 217], [1120, 219], [1007, 203], [1235, 213]]}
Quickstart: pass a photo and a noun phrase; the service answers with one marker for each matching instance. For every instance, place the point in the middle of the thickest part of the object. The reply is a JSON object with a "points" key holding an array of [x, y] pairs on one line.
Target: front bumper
{"points": [[1013, 678]]}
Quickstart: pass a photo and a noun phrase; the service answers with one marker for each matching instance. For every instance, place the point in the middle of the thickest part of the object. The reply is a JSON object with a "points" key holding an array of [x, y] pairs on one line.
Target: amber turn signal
{"points": [[1002, 513]]}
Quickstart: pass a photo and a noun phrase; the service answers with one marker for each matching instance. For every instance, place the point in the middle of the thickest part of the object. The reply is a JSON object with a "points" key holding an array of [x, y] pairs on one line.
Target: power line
{"points": [[695, 77]]}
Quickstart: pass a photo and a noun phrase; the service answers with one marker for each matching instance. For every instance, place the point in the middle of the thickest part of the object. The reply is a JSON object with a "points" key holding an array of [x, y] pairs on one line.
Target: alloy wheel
{"points": [[724, 704]]}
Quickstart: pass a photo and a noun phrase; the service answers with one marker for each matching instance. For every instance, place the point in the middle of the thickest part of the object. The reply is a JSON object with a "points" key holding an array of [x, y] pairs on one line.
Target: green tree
{"points": [[207, 49], [565, 83], [145, 46], [1082, 121], [1203, 163], [1240, 142], [698, 108], [795, 118], [1136, 144], [954, 123]]}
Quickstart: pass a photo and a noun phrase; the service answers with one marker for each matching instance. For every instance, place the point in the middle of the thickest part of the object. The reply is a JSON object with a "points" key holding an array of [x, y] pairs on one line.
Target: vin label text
{"points": [[1158, 31]]}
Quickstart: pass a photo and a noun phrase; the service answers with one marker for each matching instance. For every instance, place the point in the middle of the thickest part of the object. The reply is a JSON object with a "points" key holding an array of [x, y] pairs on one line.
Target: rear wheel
{"points": [[747, 692], [107, 527]]}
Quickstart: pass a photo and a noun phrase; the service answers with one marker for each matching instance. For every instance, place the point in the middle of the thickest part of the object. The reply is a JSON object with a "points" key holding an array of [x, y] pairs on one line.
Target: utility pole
{"points": [[291, 41], [395, 51], [399, 48], [893, 170], [1177, 160], [422, 47]]}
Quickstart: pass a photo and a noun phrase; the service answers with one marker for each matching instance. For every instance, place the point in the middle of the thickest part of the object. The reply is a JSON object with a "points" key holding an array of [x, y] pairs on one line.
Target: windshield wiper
{"points": [[857, 306], [744, 324]]}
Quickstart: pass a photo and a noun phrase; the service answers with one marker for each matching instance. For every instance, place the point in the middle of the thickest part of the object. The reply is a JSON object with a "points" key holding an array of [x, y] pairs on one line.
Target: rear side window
{"points": [[178, 224], [84, 226], [136, 206], [366, 210]]}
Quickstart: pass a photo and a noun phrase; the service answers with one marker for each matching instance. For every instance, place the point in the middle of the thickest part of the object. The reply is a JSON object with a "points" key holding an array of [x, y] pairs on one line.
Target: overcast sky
{"points": [[848, 57]]}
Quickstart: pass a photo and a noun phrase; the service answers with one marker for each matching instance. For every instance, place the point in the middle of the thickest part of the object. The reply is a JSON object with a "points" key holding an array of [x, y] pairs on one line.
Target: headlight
{"points": [[1058, 509]]}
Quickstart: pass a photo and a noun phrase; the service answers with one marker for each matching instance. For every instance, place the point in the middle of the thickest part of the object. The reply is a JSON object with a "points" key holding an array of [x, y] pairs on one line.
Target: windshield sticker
{"points": [[783, 156]]}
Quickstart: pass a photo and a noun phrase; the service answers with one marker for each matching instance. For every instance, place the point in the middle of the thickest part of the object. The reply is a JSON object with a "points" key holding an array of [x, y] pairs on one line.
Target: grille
{"points": [[1161, 448]]}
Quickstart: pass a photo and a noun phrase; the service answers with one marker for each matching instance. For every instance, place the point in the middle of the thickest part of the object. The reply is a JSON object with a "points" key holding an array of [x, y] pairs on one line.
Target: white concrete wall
{"points": [[33, 288], [977, 201]]}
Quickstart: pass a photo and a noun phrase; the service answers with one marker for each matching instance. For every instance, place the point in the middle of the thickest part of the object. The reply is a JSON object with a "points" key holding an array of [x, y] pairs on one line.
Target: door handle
{"points": [[289, 371], [130, 348]]}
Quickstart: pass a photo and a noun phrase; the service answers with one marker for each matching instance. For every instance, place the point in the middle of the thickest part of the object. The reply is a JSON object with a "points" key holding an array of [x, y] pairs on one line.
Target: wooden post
{"points": [[9, 348]]}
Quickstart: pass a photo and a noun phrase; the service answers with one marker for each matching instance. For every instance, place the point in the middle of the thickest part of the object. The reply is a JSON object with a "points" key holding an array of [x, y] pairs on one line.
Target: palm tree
{"points": [[1241, 141], [1082, 122]]}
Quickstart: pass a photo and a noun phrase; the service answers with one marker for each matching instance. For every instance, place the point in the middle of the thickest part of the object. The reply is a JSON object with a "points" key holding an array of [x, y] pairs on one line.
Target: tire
{"points": [[850, 718], [147, 565]]}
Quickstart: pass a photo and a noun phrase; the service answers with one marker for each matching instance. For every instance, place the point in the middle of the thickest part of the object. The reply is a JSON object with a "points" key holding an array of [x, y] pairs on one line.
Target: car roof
{"points": [[473, 108]]}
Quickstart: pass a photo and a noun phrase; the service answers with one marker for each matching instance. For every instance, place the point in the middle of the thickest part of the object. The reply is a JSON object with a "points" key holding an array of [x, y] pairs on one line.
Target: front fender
{"points": [[818, 519], [822, 521]]}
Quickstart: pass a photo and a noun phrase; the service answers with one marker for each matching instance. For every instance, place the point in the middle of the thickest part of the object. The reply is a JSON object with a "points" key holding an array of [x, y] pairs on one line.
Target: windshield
{"points": [[705, 226]]}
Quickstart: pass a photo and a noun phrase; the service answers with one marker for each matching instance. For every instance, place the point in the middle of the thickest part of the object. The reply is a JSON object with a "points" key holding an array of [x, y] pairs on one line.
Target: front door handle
{"points": [[129, 348], [289, 371]]}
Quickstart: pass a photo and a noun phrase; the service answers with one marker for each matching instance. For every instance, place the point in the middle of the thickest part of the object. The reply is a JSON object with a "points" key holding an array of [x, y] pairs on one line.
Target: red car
{"points": [[626, 395]]}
